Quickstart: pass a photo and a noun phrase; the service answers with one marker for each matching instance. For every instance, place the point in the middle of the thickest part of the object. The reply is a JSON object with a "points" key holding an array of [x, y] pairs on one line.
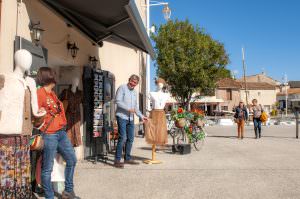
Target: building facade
{"points": [[264, 93], [117, 39], [228, 90]]}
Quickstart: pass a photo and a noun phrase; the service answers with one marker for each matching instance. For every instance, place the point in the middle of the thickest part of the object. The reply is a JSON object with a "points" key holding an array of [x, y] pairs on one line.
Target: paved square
{"points": [[224, 168]]}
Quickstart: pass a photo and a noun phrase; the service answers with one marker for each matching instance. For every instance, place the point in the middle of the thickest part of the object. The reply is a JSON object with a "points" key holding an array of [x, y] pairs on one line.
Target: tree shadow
{"points": [[224, 136], [278, 137]]}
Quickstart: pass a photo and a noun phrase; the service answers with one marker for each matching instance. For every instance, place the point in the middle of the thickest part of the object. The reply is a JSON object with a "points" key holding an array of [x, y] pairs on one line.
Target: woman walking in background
{"points": [[257, 110], [241, 115]]}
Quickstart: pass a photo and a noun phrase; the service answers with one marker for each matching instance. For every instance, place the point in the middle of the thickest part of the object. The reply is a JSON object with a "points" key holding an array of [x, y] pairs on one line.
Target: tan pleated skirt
{"points": [[156, 128]]}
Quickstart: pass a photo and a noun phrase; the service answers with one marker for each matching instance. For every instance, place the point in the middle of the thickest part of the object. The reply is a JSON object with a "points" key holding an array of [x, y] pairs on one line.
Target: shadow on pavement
{"points": [[223, 136]]}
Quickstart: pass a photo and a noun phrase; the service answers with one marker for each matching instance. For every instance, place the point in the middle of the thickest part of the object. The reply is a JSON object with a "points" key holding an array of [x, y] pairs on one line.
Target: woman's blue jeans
{"points": [[126, 136], [57, 142], [257, 127]]}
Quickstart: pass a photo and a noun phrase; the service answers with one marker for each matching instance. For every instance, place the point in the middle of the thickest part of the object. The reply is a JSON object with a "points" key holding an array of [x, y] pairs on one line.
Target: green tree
{"points": [[189, 59]]}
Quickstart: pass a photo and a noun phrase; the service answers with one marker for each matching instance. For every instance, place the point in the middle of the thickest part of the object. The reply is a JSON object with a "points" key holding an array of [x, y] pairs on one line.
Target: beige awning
{"points": [[209, 99]]}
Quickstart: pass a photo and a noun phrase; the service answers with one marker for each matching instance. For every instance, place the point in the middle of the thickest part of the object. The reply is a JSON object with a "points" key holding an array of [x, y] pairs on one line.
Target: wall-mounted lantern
{"points": [[72, 48], [36, 31]]}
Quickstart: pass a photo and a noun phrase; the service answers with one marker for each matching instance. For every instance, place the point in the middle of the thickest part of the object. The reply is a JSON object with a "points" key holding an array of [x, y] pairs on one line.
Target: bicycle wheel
{"points": [[198, 138], [198, 144]]}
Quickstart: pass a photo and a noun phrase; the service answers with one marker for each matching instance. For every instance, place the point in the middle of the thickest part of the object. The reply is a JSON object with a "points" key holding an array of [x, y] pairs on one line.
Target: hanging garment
{"points": [[156, 128], [73, 115]]}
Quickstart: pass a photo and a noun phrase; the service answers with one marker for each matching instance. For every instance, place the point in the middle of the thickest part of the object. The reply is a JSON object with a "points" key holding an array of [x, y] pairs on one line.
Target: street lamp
{"points": [[167, 14]]}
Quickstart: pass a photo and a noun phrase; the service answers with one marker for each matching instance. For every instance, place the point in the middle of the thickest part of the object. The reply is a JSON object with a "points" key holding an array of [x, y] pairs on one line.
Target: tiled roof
{"points": [[228, 83], [258, 86], [231, 83], [290, 92], [294, 84]]}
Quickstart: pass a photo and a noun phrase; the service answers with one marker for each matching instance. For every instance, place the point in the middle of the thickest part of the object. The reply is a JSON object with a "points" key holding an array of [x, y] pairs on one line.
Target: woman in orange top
{"points": [[54, 135]]}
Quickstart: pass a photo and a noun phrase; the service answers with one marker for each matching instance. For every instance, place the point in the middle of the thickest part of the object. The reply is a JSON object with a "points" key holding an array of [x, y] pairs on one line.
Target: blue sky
{"points": [[269, 30]]}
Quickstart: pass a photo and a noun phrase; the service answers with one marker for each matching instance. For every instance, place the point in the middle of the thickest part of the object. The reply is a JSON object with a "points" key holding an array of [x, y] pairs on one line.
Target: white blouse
{"points": [[159, 99]]}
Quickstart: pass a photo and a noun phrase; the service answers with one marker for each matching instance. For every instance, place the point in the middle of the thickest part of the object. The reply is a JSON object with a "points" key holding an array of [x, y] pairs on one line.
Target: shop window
{"points": [[224, 108], [229, 94], [39, 54]]}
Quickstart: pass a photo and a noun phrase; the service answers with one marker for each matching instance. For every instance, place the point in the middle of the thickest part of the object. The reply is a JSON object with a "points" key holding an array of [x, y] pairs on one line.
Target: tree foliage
{"points": [[189, 59]]}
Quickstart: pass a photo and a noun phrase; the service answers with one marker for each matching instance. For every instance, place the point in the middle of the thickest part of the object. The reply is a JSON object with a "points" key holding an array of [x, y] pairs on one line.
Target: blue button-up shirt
{"points": [[127, 99]]}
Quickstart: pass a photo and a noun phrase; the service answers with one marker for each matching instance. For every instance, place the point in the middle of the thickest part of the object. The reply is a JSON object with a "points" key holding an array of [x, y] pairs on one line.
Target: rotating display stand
{"points": [[99, 112]]}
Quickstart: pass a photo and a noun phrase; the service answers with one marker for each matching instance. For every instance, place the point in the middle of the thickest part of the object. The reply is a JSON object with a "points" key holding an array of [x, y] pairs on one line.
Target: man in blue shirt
{"points": [[127, 106]]}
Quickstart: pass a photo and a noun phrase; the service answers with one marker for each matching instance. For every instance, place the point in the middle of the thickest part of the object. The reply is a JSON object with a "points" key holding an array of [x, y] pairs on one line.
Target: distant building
{"points": [[265, 93], [260, 78], [228, 90], [294, 84], [293, 98]]}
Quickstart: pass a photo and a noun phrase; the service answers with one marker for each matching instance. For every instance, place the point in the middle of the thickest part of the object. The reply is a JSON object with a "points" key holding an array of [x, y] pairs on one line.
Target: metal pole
{"points": [[286, 100], [148, 58], [244, 70], [297, 126], [286, 94]]}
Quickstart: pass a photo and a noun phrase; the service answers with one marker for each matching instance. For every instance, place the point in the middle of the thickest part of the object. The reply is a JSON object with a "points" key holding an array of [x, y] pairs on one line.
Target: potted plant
{"points": [[179, 117], [198, 116]]}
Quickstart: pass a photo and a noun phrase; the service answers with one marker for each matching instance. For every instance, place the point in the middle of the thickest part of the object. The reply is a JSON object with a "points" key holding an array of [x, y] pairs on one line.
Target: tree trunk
{"points": [[187, 104]]}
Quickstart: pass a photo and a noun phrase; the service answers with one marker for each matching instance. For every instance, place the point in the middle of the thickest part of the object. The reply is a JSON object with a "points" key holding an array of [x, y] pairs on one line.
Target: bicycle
{"points": [[196, 135], [192, 133]]}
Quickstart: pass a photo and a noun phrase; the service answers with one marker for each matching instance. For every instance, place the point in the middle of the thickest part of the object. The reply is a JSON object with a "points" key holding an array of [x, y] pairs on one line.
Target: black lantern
{"points": [[73, 48], [36, 31], [93, 61]]}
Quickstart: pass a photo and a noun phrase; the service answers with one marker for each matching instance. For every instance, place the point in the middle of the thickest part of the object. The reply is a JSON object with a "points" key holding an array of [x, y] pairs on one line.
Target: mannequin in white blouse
{"points": [[156, 129], [159, 98]]}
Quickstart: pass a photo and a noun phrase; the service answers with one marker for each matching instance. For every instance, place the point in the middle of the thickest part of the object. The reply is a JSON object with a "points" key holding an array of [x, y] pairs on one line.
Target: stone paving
{"points": [[224, 168]]}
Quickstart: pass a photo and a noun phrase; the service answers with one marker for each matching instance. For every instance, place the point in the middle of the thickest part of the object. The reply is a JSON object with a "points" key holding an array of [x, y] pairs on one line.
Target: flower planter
{"points": [[199, 123], [180, 123]]}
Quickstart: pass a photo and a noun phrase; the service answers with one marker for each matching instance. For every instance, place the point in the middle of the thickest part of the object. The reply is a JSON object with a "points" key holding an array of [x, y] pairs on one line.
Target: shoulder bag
{"points": [[36, 141]]}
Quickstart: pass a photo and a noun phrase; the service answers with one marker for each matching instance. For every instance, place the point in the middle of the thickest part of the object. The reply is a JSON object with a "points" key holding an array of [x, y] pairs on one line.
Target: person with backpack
{"points": [[257, 113], [240, 116]]}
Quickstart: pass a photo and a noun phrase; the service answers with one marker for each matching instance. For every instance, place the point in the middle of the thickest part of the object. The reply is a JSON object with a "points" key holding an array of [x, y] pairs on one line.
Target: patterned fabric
{"points": [[257, 111], [14, 167], [73, 115]]}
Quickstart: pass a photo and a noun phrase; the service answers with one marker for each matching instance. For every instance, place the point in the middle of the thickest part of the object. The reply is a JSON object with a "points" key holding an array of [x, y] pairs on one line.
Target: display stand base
{"points": [[152, 162]]}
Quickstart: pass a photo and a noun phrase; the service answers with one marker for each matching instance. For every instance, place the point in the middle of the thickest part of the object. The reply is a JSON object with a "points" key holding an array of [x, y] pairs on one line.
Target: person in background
{"points": [[241, 115], [127, 106], [54, 135], [257, 110]]}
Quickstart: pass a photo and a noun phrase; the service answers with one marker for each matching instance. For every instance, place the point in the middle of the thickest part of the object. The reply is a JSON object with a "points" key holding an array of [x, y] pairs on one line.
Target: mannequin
{"points": [[12, 97], [74, 98], [18, 103], [75, 84], [156, 127]]}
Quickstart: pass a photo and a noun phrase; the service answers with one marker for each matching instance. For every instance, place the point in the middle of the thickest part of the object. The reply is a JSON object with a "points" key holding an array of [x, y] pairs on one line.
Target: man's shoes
{"points": [[259, 136], [132, 162], [119, 165], [69, 195]]}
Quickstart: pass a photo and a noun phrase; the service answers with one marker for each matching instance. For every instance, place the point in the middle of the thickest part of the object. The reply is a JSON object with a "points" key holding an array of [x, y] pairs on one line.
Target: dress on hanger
{"points": [[73, 115]]}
